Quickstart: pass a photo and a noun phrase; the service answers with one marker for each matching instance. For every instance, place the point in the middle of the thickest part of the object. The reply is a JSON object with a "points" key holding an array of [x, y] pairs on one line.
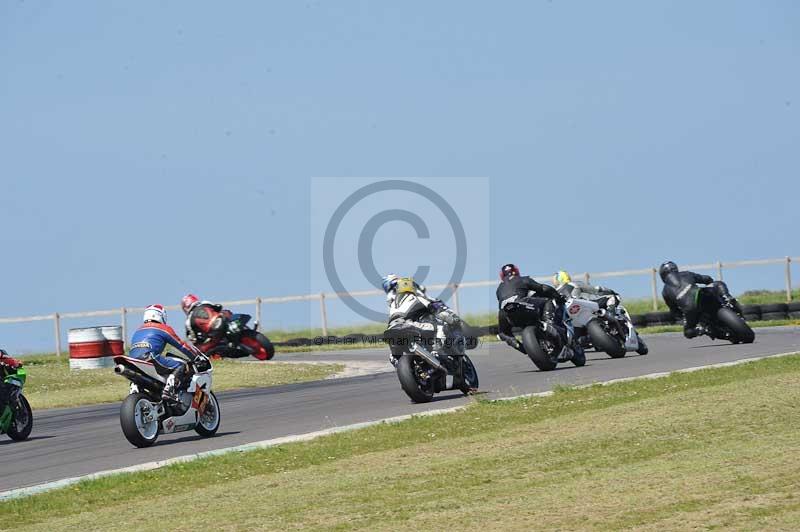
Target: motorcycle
{"points": [[610, 331], [424, 372], [238, 341], [546, 342], [144, 415], [722, 319], [16, 418]]}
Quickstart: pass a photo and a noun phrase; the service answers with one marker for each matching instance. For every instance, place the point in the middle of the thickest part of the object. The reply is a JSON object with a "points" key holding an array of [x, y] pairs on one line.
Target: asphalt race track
{"points": [[78, 441]]}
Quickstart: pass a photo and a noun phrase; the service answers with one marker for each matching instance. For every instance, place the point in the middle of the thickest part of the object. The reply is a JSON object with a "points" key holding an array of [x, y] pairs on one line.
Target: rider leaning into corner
{"points": [[408, 304], [514, 287], [7, 364], [682, 296], [604, 297], [205, 321], [149, 342]]}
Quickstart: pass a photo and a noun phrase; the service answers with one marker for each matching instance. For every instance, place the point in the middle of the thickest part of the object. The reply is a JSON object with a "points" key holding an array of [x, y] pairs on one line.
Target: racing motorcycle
{"points": [[144, 415], [238, 340], [16, 418], [722, 319], [547, 340], [426, 367], [606, 329]]}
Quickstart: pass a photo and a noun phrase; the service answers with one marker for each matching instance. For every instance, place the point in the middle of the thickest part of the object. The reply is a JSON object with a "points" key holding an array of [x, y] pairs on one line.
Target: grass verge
{"points": [[52, 384], [713, 448]]}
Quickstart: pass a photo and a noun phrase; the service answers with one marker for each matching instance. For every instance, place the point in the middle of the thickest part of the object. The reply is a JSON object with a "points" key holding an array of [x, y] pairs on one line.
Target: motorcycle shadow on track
{"points": [[440, 398], [190, 438], [719, 343], [557, 368], [29, 439]]}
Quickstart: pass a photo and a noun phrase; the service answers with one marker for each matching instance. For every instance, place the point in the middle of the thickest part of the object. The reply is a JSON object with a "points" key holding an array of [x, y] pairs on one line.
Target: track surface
{"points": [[78, 441]]}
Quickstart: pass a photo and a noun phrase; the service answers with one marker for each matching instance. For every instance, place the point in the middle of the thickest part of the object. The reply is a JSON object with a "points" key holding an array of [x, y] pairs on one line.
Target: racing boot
{"points": [[698, 330], [512, 341], [172, 387], [734, 305]]}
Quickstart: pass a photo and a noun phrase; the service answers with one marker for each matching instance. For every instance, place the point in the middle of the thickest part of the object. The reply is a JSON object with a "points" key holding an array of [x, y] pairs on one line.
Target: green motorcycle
{"points": [[16, 417]]}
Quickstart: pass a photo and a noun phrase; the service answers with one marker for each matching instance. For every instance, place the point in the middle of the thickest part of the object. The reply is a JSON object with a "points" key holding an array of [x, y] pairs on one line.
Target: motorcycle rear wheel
{"points": [[535, 351], [139, 432], [20, 429], [408, 373], [603, 341]]}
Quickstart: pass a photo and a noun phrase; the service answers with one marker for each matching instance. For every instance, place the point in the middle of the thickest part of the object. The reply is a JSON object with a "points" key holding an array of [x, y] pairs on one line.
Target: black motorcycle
{"points": [[547, 339], [722, 318], [426, 367], [238, 341]]}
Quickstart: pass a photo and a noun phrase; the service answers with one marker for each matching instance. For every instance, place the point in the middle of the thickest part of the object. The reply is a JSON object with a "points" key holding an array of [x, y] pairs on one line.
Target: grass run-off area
{"points": [[52, 384], [715, 448]]}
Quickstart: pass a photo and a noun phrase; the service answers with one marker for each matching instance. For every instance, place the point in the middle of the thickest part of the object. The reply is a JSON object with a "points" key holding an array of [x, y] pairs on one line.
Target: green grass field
{"points": [[709, 449], [52, 384]]}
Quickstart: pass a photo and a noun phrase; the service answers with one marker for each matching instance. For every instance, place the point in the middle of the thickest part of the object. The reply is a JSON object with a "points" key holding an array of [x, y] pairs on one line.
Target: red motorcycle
{"points": [[236, 341]]}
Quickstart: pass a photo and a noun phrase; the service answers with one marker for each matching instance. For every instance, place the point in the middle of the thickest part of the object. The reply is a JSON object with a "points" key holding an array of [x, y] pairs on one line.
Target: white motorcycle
{"points": [[144, 415], [611, 331]]}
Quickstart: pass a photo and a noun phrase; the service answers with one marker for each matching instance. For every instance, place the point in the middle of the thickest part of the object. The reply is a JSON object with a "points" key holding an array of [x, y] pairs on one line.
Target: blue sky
{"points": [[149, 148]]}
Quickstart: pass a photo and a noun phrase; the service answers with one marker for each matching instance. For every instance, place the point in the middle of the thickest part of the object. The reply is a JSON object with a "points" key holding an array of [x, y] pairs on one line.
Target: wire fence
{"points": [[718, 267]]}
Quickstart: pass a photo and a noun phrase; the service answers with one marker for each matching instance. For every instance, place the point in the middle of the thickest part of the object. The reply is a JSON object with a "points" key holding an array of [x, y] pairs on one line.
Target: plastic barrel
{"points": [[94, 347]]}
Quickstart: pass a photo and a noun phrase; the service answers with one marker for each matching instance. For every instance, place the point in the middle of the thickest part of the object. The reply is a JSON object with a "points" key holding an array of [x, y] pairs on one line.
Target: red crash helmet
{"points": [[188, 302]]}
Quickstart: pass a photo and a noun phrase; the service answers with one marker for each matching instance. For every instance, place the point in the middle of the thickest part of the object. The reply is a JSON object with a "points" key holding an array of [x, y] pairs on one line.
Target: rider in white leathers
{"points": [[409, 305]]}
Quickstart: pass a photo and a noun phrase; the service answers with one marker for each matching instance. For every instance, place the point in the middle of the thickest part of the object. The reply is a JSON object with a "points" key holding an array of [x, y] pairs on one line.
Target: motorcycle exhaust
{"points": [[137, 378], [429, 358]]}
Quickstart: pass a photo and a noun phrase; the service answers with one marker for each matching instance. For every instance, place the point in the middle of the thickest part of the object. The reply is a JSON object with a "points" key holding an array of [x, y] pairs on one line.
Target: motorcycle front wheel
{"points": [[138, 417], [208, 423], [536, 352], [470, 376], [259, 344], [22, 425], [739, 329], [414, 378]]}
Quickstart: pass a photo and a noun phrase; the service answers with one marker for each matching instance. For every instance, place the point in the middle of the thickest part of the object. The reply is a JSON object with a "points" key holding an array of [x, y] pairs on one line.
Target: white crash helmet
{"points": [[155, 313]]}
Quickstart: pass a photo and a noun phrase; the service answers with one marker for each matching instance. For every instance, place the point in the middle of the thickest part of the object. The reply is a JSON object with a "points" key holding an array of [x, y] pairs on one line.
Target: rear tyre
{"points": [[208, 423], [22, 425], [739, 329], [138, 418], [538, 355], [603, 341], [419, 389], [470, 377]]}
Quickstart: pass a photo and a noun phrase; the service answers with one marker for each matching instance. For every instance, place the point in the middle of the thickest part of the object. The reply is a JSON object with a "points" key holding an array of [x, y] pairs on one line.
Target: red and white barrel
{"points": [[94, 347]]}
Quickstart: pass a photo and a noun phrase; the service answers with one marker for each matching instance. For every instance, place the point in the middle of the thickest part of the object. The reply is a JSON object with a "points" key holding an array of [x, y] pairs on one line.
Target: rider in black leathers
{"points": [[516, 287], [682, 296]]}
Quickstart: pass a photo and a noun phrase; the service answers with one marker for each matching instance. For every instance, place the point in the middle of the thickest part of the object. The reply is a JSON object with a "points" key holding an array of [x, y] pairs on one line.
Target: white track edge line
{"points": [[149, 466]]}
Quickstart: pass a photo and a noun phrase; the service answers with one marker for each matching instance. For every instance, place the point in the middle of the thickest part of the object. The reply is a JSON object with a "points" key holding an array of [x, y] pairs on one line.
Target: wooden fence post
{"points": [[123, 314], [323, 314], [455, 299], [788, 279], [654, 288], [57, 325]]}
